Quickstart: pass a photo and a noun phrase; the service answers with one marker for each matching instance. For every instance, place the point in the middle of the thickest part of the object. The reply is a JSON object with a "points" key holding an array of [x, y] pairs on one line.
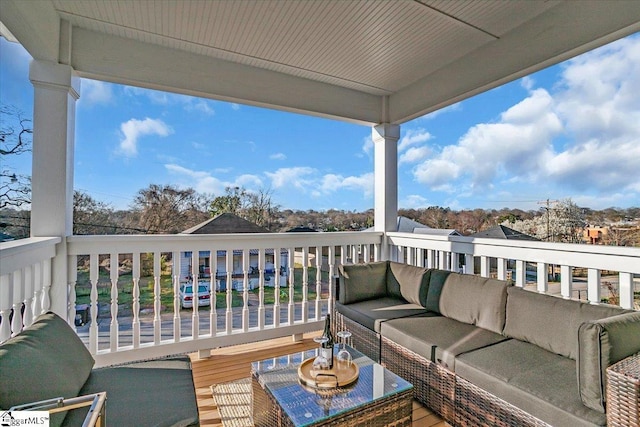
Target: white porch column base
{"points": [[385, 143], [56, 89]]}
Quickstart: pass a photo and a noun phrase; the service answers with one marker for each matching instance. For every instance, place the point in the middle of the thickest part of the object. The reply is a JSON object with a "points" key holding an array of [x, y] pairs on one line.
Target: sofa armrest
{"points": [[601, 343], [623, 392], [95, 401], [360, 282]]}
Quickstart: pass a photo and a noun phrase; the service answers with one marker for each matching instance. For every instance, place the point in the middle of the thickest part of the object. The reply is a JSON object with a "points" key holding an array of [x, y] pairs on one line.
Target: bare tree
{"points": [[168, 209], [15, 139]]}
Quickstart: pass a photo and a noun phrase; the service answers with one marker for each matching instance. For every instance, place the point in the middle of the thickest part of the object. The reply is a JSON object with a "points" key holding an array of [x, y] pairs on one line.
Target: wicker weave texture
{"points": [[362, 338], [394, 411], [433, 385], [623, 393], [476, 407]]}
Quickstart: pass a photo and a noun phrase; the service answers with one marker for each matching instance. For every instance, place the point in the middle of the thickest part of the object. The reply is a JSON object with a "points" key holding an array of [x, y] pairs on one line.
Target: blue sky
{"points": [[570, 131]]}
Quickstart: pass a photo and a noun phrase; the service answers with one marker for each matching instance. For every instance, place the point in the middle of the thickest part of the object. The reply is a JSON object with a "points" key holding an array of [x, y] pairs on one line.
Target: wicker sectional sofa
{"points": [[480, 351], [48, 360]]}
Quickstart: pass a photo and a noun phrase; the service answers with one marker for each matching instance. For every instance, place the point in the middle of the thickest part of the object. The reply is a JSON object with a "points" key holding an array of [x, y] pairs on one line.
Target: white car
{"points": [[186, 295]]}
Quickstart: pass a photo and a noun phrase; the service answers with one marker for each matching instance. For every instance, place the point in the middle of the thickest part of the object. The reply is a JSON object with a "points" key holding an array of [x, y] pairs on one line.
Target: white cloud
{"points": [[414, 201], [200, 181], [133, 129], [367, 145], [235, 106], [249, 181], [413, 137], [295, 177], [331, 183], [95, 92], [527, 82], [200, 105], [413, 155], [278, 156]]}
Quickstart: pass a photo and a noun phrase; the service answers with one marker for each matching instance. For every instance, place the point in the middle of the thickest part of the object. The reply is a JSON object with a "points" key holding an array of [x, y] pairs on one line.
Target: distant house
{"points": [[503, 232], [407, 225], [228, 223]]}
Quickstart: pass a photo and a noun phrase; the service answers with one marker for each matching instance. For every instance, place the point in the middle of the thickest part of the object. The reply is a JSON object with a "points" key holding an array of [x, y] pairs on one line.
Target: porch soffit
{"points": [[356, 60]]}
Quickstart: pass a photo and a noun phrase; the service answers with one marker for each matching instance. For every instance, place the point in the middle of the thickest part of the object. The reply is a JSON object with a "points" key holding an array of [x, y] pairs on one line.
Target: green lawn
{"points": [[125, 290]]}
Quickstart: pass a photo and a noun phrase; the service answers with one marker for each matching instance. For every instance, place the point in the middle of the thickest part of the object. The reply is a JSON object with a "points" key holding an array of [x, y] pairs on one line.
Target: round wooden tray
{"points": [[327, 378]]}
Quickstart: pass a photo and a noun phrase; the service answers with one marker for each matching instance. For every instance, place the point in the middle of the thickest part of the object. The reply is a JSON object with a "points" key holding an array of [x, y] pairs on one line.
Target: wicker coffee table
{"points": [[377, 398]]}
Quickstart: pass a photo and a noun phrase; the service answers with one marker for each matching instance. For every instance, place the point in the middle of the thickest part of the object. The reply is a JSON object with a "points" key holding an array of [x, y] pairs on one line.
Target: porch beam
{"points": [[135, 63]]}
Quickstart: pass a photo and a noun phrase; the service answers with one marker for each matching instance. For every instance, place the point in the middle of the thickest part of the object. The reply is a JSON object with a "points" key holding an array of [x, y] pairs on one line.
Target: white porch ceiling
{"points": [[358, 60]]}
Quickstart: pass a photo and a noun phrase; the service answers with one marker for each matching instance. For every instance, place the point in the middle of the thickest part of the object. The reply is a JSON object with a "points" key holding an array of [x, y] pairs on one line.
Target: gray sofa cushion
{"points": [[360, 282], [436, 282], [412, 282], [133, 398], [371, 313], [438, 339], [537, 381], [550, 322], [44, 361], [475, 300], [601, 343]]}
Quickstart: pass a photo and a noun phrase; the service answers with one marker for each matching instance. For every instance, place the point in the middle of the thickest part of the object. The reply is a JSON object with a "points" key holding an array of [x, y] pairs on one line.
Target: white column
{"points": [[56, 90], [385, 144]]}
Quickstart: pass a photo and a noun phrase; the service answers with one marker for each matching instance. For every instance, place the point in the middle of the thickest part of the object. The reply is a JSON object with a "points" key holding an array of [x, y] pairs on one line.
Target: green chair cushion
{"points": [[475, 300], [436, 282], [360, 282], [537, 381], [550, 322], [412, 281], [601, 343], [154, 393], [44, 361], [371, 313]]}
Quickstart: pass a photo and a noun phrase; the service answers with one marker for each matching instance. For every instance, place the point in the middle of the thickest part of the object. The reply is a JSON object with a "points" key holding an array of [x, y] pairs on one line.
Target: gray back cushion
{"points": [[601, 343], [360, 282], [550, 322], [411, 281], [44, 361], [475, 300], [436, 282]]}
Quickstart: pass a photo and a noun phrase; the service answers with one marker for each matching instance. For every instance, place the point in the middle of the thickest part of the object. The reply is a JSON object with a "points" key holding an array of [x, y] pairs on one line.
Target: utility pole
{"points": [[548, 207]]}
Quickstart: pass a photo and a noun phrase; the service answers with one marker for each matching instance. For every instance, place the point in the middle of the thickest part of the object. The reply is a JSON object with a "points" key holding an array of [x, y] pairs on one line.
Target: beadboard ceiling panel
{"points": [[388, 60]]}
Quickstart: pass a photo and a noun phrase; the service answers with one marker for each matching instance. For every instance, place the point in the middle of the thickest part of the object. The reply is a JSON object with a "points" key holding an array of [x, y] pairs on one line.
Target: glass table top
{"points": [[306, 406]]}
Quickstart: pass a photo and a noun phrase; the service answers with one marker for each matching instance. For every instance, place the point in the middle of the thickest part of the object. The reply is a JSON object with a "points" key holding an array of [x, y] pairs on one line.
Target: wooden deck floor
{"points": [[234, 363]]}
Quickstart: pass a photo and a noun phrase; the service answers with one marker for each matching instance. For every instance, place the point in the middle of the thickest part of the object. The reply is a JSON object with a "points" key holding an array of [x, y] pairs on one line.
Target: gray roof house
{"points": [[503, 232]]}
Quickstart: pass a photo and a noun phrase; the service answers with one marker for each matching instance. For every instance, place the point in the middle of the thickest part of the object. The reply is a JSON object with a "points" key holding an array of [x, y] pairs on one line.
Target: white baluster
{"points": [[135, 277], [521, 273], [469, 264], [18, 297], [455, 262], [245, 290], [276, 287], [71, 290], [332, 274], [593, 285], [566, 281], [93, 278], [318, 282], [305, 284], [502, 268], [6, 297], [229, 312], [625, 290], [37, 282], [543, 277], [114, 331], [177, 325], [261, 267], [46, 280], [213, 312], [157, 320], [195, 310], [291, 307], [485, 266], [28, 296]]}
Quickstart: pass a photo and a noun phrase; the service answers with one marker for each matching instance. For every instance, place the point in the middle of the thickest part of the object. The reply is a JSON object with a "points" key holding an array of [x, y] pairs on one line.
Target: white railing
{"points": [[531, 263], [25, 280], [119, 331], [260, 284]]}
